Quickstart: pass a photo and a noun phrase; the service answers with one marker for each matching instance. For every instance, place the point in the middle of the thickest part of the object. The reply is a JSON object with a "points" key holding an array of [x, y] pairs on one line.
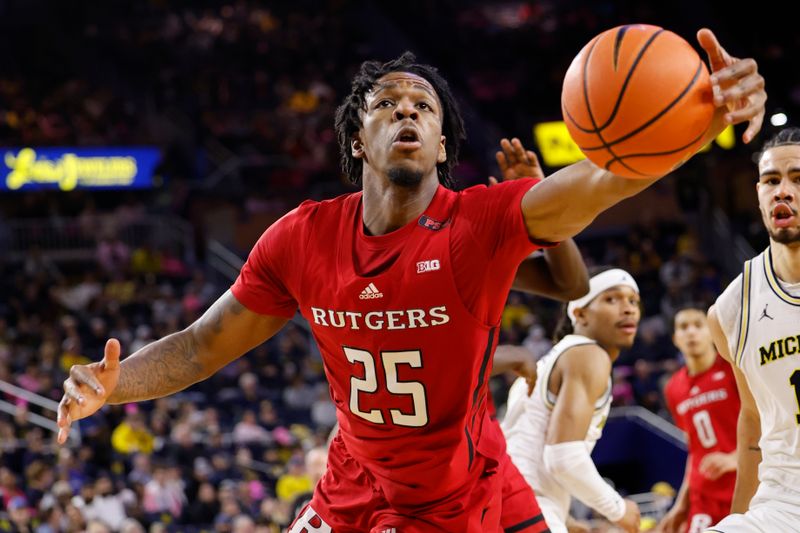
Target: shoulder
{"points": [[306, 217], [477, 193], [310, 210], [586, 361], [676, 382]]}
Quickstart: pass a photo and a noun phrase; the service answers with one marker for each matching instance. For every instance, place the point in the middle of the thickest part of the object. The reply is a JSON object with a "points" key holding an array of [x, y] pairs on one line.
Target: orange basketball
{"points": [[637, 100]]}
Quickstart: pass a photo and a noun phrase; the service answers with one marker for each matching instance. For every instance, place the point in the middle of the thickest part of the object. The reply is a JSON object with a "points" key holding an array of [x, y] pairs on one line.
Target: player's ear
{"points": [[579, 314], [442, 156], [356, 147]]}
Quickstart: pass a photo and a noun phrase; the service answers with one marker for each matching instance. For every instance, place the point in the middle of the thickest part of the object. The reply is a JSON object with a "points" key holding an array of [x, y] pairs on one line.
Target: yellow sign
{"points": [[558, 149], [69, 170], [556, 146]]}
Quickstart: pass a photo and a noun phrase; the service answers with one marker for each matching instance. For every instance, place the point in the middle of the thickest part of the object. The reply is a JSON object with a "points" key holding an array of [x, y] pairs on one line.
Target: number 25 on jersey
{"points": [[369, 385]]}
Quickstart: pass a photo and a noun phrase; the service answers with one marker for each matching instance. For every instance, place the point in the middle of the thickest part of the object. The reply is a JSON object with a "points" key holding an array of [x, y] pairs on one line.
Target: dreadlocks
{"points": [[348, 121]]}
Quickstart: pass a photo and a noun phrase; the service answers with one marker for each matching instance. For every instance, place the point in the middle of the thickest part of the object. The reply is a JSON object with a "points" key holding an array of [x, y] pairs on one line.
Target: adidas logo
{"points": [[370, 292]]}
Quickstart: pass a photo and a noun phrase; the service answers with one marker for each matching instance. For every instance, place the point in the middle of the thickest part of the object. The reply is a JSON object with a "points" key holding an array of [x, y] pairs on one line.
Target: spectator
{"points": [[247, 431], [294, 482], [132, 435], [164, 493]]}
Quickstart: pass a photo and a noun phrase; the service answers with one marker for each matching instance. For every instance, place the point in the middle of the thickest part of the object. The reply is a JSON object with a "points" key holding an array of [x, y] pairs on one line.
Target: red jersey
{"points": [[706, 407], [406, 323]]}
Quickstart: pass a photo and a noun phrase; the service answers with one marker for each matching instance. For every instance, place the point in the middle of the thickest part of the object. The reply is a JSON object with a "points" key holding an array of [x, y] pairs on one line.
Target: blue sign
{"points": [[77, 168]]}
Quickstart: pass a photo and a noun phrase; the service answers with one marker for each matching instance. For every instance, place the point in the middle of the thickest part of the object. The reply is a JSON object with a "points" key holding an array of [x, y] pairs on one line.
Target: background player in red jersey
{"points": [[403, 285], [704, 402]]}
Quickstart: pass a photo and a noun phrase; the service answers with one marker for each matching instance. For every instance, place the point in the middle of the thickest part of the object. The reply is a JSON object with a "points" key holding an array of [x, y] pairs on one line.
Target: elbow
{"points": [[573, 289], [577, 289]]}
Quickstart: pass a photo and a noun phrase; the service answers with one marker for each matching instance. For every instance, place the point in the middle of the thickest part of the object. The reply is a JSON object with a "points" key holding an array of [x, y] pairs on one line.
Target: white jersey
{"points": [[527, 419], [760, 316]]}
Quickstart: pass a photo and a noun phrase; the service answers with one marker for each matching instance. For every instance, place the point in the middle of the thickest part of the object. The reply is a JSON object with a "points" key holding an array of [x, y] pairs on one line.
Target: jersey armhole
{"points": [[744, 316], [551, 404]]}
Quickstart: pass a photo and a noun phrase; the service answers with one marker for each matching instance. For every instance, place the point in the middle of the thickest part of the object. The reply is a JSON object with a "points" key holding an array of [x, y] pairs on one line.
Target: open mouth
{"points": [[407, 138], [627, 327], [783, 215]]}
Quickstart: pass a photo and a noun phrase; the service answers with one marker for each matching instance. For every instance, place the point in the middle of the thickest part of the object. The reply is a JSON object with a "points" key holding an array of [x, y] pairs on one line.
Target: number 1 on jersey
{"points": [[369, 385], [794, 381]]}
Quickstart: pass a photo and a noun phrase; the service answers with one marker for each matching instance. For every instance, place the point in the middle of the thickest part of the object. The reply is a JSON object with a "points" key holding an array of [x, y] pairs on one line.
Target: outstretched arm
{"points": [[569, 200], [748, 430], [224, 332]]}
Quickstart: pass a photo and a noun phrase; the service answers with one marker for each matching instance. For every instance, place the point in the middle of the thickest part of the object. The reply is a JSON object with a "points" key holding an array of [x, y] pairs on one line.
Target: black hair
{"points": [[785, 137], [348, 120], [564, 326], [692, 306]]}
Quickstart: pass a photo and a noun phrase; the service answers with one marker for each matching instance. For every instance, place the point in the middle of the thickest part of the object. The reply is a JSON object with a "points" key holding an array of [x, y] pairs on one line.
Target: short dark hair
{"points": [[348, 121], [564, 326], [687, 307], [785, 137]]}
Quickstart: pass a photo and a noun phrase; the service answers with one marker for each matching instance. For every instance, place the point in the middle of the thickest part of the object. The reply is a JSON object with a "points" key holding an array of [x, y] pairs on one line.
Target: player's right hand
{"points": [[738, 89], [87, 389], [630, 520], [674, 521]]}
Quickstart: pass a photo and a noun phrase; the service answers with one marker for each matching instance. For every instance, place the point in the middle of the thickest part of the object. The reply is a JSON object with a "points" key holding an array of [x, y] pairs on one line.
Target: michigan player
{"points": [[704, 403], [551, 433], [403, 284], [755, 324]]}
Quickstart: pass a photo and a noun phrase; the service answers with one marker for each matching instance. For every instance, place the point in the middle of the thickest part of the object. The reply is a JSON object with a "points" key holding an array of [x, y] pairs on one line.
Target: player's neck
{"points": [[786, 260], [387, 207], [698, 364]]}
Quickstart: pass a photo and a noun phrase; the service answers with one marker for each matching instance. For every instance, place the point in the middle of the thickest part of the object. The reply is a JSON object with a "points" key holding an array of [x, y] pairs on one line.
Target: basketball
{"points": [[637, 100]]}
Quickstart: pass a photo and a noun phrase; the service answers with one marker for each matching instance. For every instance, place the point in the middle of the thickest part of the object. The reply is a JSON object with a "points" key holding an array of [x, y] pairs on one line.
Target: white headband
{"points": [[599, 283]]}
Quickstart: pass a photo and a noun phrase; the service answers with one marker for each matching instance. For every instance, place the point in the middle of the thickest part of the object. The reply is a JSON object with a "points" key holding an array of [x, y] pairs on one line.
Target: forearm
{"points": [[564, 204], [558, 273], [682, 498], [224, 332], [748, 458], [508, 357], [159, 369], [571, 465]]}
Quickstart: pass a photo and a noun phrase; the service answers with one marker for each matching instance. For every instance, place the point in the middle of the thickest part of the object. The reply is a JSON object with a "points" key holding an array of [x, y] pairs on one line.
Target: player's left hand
{"points": [[716, 464], [516, 162], [738, 89]]}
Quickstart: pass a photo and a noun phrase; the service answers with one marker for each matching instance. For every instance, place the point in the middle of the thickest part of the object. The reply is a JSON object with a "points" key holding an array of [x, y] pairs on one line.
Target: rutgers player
{"points": [[403, 284], [704, 403]]}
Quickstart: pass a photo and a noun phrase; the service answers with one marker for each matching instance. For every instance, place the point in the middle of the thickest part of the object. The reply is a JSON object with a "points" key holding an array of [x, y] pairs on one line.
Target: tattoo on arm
{"points": [[173, 363]]}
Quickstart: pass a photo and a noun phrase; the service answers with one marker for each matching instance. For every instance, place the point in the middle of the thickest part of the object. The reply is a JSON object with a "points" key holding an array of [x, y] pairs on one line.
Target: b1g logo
{"points": [[428, 266]]}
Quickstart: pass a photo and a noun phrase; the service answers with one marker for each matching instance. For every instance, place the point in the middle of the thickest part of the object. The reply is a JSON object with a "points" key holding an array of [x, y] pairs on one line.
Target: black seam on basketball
{"points": [[589, 109], [625, 83], [658, 115], [571, 119], [656, 154], [618, 44], [628, 77]]}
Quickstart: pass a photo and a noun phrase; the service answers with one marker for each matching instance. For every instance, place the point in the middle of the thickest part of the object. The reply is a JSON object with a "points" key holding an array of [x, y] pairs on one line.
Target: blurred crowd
{"points": [[259, 81], [233, 453]]}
